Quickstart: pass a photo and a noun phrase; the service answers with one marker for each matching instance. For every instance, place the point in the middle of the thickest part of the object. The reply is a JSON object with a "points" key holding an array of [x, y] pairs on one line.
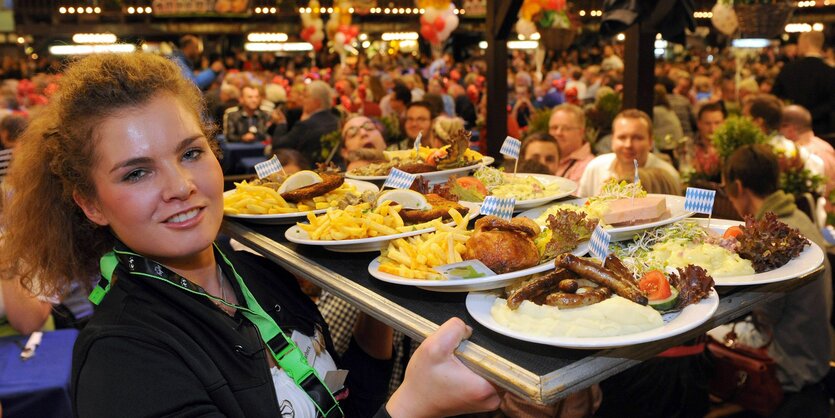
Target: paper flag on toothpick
{"points": [[501, 207], [398, 179], [599, 243], [264, 169]]}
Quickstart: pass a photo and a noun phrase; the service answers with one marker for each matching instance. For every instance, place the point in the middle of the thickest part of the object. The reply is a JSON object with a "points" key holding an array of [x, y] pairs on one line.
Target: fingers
{"points": [[449, 335]]}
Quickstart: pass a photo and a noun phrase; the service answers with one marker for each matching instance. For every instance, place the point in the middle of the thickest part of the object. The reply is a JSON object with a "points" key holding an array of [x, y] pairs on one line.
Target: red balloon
{"points": [[424, 20], [354, 30], [317, 45], [439, 24]]}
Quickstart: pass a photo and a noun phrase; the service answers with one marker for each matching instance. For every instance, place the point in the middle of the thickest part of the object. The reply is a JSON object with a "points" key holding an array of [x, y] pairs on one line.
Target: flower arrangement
{"points": [[544, 14]]}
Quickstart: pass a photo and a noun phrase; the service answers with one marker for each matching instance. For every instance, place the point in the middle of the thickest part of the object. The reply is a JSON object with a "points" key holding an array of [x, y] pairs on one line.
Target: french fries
{"points": [[415, 257], [359, 221], [250, 199]]}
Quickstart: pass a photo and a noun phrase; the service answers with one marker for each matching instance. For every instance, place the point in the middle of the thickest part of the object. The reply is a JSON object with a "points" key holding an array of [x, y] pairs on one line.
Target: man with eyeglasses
{"points": [[358, 133], [568, 126], [419, 117]]}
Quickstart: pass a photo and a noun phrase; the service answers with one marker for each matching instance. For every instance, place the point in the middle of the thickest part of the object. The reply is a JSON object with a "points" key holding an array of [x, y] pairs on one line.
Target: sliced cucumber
{"points": [[667, 303]]}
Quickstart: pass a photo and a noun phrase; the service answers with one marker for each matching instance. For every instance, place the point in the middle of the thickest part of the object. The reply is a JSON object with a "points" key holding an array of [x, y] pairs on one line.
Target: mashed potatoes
{"points": [[612, 317], [718, 261], [524, 188]]}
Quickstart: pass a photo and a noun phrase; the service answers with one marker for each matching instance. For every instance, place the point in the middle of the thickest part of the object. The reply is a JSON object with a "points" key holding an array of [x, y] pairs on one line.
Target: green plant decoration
{"points": [[734, 133], [538, 121]]}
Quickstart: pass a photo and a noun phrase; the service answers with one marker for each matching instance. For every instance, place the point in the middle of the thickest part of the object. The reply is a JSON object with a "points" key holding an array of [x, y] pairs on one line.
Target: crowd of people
{"points": [[121, 153]]}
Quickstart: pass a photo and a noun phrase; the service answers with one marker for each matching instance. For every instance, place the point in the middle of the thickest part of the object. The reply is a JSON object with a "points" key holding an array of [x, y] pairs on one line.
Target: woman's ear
{"points": [[90, 208]]}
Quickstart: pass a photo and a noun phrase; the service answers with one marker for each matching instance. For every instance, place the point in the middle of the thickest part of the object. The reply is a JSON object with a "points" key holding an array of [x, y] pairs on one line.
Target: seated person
{"points": [[419, 116], [657, 181], [246, 122], [631, 140], [542, 148], [360, 132], [568, 126], [799, 319], [317, 119], [291, 160]]}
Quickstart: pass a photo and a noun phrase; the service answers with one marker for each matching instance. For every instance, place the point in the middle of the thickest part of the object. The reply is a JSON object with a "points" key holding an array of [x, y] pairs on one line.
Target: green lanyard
{"points": [[286, 353]]}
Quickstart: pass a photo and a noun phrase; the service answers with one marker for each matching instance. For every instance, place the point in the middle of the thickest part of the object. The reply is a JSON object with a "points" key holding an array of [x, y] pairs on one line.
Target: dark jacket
{"points": [[152, 349], [237, 123], [306, 134], [810, 82]]}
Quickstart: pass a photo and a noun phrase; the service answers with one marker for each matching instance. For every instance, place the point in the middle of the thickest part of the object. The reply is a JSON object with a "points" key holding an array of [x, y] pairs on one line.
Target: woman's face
{"points": [[157, 184]]}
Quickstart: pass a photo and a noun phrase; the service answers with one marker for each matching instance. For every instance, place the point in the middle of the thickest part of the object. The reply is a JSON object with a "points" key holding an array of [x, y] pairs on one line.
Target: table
{"points": [[40, 386], [541, 373], [234, 152]]}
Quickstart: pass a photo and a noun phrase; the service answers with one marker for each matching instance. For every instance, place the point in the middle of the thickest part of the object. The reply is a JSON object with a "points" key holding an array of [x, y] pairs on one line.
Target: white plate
{"points": [[675, 204], [434, 176], [359, 245], [479, 305], [809, 259], [289, 218], [567, 187], [468, 285]]}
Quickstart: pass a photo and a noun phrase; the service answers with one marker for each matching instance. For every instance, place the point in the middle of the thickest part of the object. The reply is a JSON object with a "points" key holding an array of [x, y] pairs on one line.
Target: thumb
{"points": [[450, 335]]}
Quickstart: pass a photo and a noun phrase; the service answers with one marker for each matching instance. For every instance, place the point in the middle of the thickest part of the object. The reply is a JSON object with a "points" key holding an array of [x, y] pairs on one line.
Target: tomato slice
{"points": [[734, 231], [655, 285]]}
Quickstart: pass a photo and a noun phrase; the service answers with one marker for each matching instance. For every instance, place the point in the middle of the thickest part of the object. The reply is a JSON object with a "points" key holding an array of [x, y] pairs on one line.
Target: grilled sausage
{"points": [[603, 277], [616, 265], [537, 287], [569, 286], [575, 300]]}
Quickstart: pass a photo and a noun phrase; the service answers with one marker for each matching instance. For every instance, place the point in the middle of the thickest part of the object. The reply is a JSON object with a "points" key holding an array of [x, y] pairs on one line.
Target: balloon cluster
{"points": [[312, 26], [340, 30], [542, 14], [438, 20]]}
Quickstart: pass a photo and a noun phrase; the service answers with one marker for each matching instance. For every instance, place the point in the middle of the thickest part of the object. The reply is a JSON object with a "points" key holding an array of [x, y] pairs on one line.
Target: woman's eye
{"points": [[193, 154], [134, 176]]}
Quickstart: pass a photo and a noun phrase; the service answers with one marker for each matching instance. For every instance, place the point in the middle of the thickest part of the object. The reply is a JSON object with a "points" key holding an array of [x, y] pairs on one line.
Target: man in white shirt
{"points": [[631, 140]]}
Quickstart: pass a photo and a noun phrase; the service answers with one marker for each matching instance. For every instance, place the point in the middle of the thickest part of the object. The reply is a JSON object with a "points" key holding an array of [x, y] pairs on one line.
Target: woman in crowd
{"points": [[121, 164]]}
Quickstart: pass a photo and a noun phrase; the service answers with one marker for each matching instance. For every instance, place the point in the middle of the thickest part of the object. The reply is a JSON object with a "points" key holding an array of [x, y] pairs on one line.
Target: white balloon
{"points": [[451, 21], [317, 36], [306, 20], [339, 38], [724, 18], [317, 24], [525, 27]]}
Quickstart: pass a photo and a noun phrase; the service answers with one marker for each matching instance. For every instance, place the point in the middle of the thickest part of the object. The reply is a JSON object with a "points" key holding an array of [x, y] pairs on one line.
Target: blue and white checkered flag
{"points": [[699, 200], [501, 207], [599, 243], [417, 143], [511, 147], [268, 167], [399, 179]]}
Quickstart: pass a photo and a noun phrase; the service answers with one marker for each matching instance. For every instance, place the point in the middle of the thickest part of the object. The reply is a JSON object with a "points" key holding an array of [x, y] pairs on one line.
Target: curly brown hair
{"points": [[46, 234]]}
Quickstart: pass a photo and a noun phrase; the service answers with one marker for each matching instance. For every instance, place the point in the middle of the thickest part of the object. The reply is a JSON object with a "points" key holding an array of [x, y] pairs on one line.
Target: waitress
{"points": [[118, 176]]}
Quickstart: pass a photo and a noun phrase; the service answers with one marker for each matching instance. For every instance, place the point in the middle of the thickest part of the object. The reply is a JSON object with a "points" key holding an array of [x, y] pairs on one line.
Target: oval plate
{"points": [[293, 217]]}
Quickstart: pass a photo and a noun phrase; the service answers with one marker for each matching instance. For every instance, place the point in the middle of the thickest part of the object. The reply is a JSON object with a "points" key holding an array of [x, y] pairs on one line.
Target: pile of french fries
{"points": [[250, 199], [360, 221], [415, 257]]}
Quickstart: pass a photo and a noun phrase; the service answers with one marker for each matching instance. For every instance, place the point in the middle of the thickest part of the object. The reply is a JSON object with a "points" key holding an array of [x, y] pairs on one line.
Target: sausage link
{"points": [[603, 277], [537, 287], [576, 300], [568, 286]]}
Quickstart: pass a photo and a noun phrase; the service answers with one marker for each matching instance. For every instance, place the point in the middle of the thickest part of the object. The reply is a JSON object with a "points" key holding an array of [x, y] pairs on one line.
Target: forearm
{"points": [[24, 311], [374, 337]]}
